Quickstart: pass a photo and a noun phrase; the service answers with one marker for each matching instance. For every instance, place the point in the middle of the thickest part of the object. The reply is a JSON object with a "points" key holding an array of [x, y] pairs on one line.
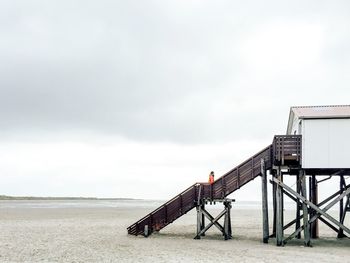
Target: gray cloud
{"points": [[174, 71]]}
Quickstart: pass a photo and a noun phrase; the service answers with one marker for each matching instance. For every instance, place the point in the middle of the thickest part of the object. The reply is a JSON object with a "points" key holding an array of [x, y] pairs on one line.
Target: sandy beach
{"points": [[95, 231]]}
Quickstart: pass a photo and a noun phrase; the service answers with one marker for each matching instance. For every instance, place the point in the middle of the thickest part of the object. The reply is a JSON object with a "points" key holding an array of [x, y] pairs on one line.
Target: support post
{"points": [[146, 231], [227, 221], [203, 218], [305, 210], [341, 206], [314, 199], [279, 210], [200, 225], [298, 206], [264, 203], [282, 196], [274, 203]]}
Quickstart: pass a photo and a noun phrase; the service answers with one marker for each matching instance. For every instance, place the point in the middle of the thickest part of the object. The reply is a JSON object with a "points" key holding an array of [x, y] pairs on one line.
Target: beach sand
{"points": [[97, 233]]}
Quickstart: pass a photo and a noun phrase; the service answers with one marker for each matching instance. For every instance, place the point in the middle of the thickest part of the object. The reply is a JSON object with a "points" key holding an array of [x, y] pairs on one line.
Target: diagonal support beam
{"points": [[290, 196], [211, 219], [316, 208], [211, 224], [320, 216], [328, 224], [292, 222], [329, 198]]}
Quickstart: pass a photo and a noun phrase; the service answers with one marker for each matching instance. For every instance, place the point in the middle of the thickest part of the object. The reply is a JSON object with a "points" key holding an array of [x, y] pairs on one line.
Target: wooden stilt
{"points": [[274, 204], [343, 209], [264, 203], [282, 202], [203, 218], [298, 207], [341, 203], [314, 199], [341, 206], [305, 210], [279, 212], [227, 221], [146, 231], [199, 222], [346, 209]]}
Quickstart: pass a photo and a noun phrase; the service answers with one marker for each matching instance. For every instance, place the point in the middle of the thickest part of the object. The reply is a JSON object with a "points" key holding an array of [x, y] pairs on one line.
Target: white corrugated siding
{"points": [[326, 143]]}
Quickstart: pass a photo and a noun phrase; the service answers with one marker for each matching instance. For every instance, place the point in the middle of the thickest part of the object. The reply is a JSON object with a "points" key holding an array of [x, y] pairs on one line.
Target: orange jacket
{"points": [[211, 179]]}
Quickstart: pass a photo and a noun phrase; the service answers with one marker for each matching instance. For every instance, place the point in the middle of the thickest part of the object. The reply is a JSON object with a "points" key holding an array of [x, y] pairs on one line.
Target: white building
{"points": [[325, 134]]}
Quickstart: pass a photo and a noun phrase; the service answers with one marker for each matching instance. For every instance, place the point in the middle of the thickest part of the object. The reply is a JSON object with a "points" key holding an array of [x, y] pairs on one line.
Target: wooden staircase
{"points": [[222, 187]]}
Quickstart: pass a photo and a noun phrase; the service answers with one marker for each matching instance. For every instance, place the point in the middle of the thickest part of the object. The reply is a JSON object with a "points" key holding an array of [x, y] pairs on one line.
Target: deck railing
{"points": [[287, 150]]}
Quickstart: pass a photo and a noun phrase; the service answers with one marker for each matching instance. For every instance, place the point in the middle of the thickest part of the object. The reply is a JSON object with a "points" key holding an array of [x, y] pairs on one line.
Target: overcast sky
{"points": [[143, 98]]}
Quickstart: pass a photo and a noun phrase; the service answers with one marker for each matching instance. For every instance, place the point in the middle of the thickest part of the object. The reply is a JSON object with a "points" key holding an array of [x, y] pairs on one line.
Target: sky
{"points": [[141, 99]]}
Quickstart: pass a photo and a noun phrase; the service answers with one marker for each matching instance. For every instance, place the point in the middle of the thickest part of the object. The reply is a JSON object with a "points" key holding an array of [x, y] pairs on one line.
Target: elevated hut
{"points": [[325, 134]]}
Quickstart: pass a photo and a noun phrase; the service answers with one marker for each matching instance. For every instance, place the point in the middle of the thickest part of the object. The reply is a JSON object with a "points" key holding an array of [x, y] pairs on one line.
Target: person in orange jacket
{"points": [[211, 177]]}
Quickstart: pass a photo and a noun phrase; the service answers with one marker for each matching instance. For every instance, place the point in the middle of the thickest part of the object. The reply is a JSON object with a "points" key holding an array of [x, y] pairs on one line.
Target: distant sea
{"points": [[148, 204]]}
